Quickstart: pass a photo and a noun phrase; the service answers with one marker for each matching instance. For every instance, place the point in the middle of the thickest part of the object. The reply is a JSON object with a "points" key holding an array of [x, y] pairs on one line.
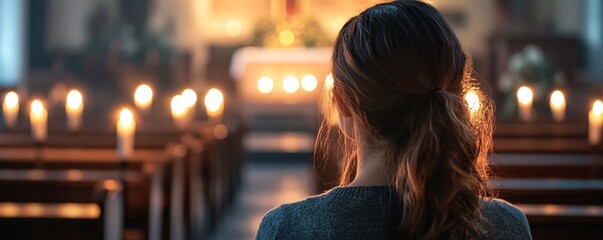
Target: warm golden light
{"points": [[598, 107], [233, 27], [74, 99], [11, 100], [214, 102], [190, 97], [37, 107], [74, 107], [126, 117], [557, 99], [595, 122], [329, 81], [126, 127], [473, 102], [557, 104], [143, 96], [286, 38], [38, 119], [525, 95], [265, 85], [10, 108], [178, 105], [290, 84], [309, 82]]}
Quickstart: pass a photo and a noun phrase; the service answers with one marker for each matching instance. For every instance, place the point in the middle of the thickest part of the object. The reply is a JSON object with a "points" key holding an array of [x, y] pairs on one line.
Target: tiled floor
{"points": [[265, 186]]}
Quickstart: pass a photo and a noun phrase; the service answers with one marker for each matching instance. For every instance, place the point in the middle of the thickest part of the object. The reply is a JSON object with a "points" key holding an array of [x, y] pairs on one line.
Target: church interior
{"points": [[190, 119]]}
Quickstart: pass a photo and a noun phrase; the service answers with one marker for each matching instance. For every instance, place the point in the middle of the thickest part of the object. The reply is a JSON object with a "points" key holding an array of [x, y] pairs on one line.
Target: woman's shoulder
{"points": [[505, 220], [276, 220]]}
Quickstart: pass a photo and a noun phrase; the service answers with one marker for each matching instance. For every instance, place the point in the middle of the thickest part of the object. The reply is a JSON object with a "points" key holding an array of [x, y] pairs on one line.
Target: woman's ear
{"points": [[345, 111]]}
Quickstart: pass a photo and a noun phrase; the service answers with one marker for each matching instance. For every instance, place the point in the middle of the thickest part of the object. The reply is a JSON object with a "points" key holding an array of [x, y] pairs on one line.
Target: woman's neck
{"points": [[371, 167]]}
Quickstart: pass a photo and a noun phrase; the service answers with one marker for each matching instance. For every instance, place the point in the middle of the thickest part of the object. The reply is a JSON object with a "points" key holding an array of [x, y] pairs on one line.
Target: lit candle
{"points": [[214, 103], [595, 120], [524, 102], [557, 104], [126, 127], [265, 85], [38, 119], [190, 99], [10, 108], [143, 97], [309, 82], [473, 102], [290, 84], [179, 112], [74, 106]]}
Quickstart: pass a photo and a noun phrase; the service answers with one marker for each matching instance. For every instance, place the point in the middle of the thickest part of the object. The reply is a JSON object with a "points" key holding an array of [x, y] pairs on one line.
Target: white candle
{"points": [[557, 105], [179, 112], [143, 97], [214, 103], [74, 107], [595, 120], [38, 119], [10, 108], [126, 127], [524, 102], [190, 99]]}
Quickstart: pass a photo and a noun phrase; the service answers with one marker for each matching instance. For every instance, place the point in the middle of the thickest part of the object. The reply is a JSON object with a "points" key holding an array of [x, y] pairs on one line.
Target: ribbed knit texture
{"points": [[370, 213]]}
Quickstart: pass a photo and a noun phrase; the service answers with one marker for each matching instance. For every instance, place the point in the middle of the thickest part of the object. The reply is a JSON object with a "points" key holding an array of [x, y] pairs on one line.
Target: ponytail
{"points": [[436, 175]]}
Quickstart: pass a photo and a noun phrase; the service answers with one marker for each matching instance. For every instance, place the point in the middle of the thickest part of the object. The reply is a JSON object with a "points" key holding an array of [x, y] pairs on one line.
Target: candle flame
{"points": [[143, 95], [11, 99], [525, 95], [214, 100], [74, 99], [37, 107], [178, 105], [290, 84], [126, 117], [472, 100], [265, 85], [557, 99], [309, 82], [190, 97], [598, 107]]}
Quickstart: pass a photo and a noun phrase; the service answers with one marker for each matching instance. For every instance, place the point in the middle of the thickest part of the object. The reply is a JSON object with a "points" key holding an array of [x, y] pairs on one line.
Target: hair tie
{"points": [[436, 90]]}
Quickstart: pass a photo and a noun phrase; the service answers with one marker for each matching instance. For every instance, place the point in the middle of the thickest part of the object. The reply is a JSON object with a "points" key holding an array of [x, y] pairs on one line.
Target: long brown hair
{"points": [[403, 74]]}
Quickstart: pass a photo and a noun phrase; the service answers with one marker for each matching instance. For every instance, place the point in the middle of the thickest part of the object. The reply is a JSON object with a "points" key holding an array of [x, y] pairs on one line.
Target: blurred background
{"points": [[190, 119]]}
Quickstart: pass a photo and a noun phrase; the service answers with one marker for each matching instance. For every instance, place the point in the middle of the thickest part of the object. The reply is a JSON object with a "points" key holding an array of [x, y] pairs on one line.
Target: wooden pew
{"points": [[58, 204], [545, 165], [143, 198], [555, 221]]}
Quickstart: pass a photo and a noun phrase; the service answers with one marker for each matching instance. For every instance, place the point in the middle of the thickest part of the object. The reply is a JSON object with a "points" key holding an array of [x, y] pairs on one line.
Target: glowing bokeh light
{"points": [[265, 85], [525, 95], [309, 82], [214, 100], [74, 99], [290, 84], [557, 99]]}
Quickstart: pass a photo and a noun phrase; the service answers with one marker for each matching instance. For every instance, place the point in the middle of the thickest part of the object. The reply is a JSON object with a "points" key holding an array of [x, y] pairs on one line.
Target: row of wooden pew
{"points": [[176, 186], [551, 172]]}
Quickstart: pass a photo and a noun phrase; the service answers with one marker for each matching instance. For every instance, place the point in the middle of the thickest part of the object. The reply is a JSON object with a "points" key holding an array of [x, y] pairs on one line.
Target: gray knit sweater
{"points": [[370, 213]]}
